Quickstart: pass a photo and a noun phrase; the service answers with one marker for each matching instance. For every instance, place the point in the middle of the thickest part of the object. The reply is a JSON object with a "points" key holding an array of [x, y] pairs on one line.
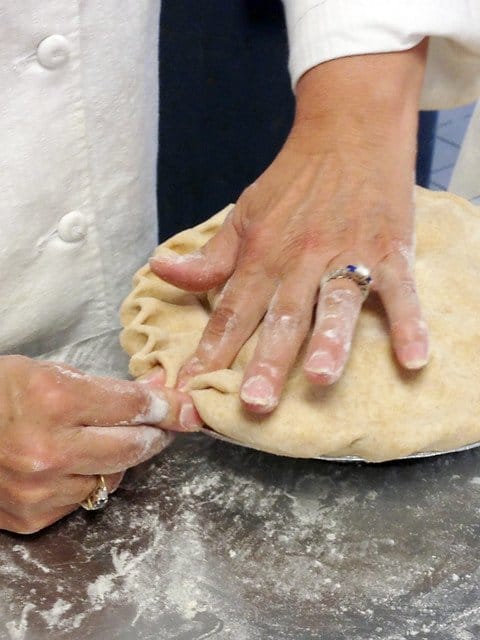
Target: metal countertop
{"points": [[215, 541]]}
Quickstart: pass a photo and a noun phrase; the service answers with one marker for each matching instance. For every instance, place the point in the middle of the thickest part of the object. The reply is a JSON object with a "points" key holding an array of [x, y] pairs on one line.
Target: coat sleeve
{"points": [[319, 31]]}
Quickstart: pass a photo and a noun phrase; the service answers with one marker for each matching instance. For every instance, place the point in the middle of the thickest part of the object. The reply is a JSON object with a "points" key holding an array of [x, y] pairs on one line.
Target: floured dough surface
{"points": [[376, 411]]}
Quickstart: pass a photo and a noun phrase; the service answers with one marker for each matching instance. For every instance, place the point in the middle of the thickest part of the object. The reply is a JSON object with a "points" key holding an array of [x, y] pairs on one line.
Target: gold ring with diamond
{"points": [[98, 498]]}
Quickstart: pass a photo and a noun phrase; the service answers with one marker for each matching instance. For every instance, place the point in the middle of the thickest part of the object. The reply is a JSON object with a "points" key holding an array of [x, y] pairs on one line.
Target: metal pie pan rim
{"points": [[412, 456]]}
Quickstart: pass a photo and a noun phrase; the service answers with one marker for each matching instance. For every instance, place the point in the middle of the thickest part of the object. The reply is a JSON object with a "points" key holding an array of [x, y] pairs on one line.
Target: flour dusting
{"points": [[25, 555], [213, 541], [17, 631]]}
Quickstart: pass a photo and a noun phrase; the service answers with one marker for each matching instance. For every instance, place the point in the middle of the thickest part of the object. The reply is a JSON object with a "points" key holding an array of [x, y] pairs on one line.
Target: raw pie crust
{"points": [[376, 411]]}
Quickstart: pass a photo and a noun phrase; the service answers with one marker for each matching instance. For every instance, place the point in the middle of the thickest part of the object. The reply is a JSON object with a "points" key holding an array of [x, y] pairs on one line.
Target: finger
{"points": [[337, 313], [396, 286], [75, 489], [32, 500], [205, 269], [35, 522], [107, 450], [71, 397], [236, 316], [183, 415], [96, 401], [9, 523], [284, 328]]}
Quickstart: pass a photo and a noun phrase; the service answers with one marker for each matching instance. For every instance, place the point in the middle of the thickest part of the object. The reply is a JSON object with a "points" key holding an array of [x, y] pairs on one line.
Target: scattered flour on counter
{"points": [[219, 549], [130, 582], [183, 590], [53, 616], [17, 631], [99, 590], [168, 570], [175, 584], [25, 555]]}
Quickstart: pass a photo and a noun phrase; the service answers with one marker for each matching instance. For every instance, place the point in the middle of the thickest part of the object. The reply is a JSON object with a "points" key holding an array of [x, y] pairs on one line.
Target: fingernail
{"points": [[258, 391], [157, 410], [190, 419], [413, 355], [321, 363]]}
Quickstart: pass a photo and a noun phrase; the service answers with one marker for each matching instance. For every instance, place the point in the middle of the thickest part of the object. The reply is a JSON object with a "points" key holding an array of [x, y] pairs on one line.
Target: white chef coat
{"points": [[321, 31], [78, 140]]}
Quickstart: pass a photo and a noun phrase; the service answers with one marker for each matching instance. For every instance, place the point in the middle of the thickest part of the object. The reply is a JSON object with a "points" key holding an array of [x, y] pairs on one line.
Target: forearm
{"points": [[377, 92], [365, 108]]}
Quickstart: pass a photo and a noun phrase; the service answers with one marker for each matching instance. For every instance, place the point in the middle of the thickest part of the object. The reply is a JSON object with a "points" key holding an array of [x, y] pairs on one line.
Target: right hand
{"points": [[339, 192], [61, 428]]}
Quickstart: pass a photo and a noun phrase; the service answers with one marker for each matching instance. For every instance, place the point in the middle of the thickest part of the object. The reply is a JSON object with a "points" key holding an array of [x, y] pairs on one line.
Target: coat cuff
{"points": [[320, 31]]}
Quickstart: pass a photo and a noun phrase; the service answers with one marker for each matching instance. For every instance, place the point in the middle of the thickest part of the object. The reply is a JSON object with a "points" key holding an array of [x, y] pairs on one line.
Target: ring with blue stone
{"points": [[358, 273]]}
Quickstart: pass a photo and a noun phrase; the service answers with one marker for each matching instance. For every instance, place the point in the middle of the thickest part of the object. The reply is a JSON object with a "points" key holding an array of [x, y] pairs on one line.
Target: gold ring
{"points": [[98, 498]]}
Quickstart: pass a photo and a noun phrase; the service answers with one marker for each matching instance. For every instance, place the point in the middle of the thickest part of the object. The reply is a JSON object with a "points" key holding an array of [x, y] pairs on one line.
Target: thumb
{"points": [[204, 269], [182, 415]]}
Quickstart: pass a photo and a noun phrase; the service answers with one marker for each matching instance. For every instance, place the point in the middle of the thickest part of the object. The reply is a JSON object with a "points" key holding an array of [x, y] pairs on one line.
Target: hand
{"points": [[339, 192], [60, 428]]}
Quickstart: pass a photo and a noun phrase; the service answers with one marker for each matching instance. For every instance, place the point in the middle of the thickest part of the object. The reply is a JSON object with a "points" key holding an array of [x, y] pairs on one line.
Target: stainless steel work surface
{"points": [[216, 541]]}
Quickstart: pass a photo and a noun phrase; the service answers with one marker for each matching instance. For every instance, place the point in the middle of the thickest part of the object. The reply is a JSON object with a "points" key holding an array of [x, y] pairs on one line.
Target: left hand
{"points": [[339, 192]]}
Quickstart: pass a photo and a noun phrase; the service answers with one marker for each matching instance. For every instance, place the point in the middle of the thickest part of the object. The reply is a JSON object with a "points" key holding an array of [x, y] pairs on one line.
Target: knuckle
{"points": [[26, 498], [127, 459], [48, 393], [334, 333], [381, 244], [286, 316], [407, 288], [248, 196], [340, 295], [396, 268], [32, 456], [307, 241], [398, 254], [28, 526], [248, 193], [131, 453], [224, 319], [32, 464], [407, 329], [254, 246]]}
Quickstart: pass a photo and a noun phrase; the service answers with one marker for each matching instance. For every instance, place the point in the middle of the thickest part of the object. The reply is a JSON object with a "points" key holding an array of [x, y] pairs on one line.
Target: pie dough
{"points": [[377, 411]]}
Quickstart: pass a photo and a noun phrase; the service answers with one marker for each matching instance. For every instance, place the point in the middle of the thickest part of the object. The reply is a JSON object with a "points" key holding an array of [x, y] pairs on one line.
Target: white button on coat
{"points": [[53, 52], [72, 227]]}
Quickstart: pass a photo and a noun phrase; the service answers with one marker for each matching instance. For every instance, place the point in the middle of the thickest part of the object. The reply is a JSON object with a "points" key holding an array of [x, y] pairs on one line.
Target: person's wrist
{"points": [[362, 95]]}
